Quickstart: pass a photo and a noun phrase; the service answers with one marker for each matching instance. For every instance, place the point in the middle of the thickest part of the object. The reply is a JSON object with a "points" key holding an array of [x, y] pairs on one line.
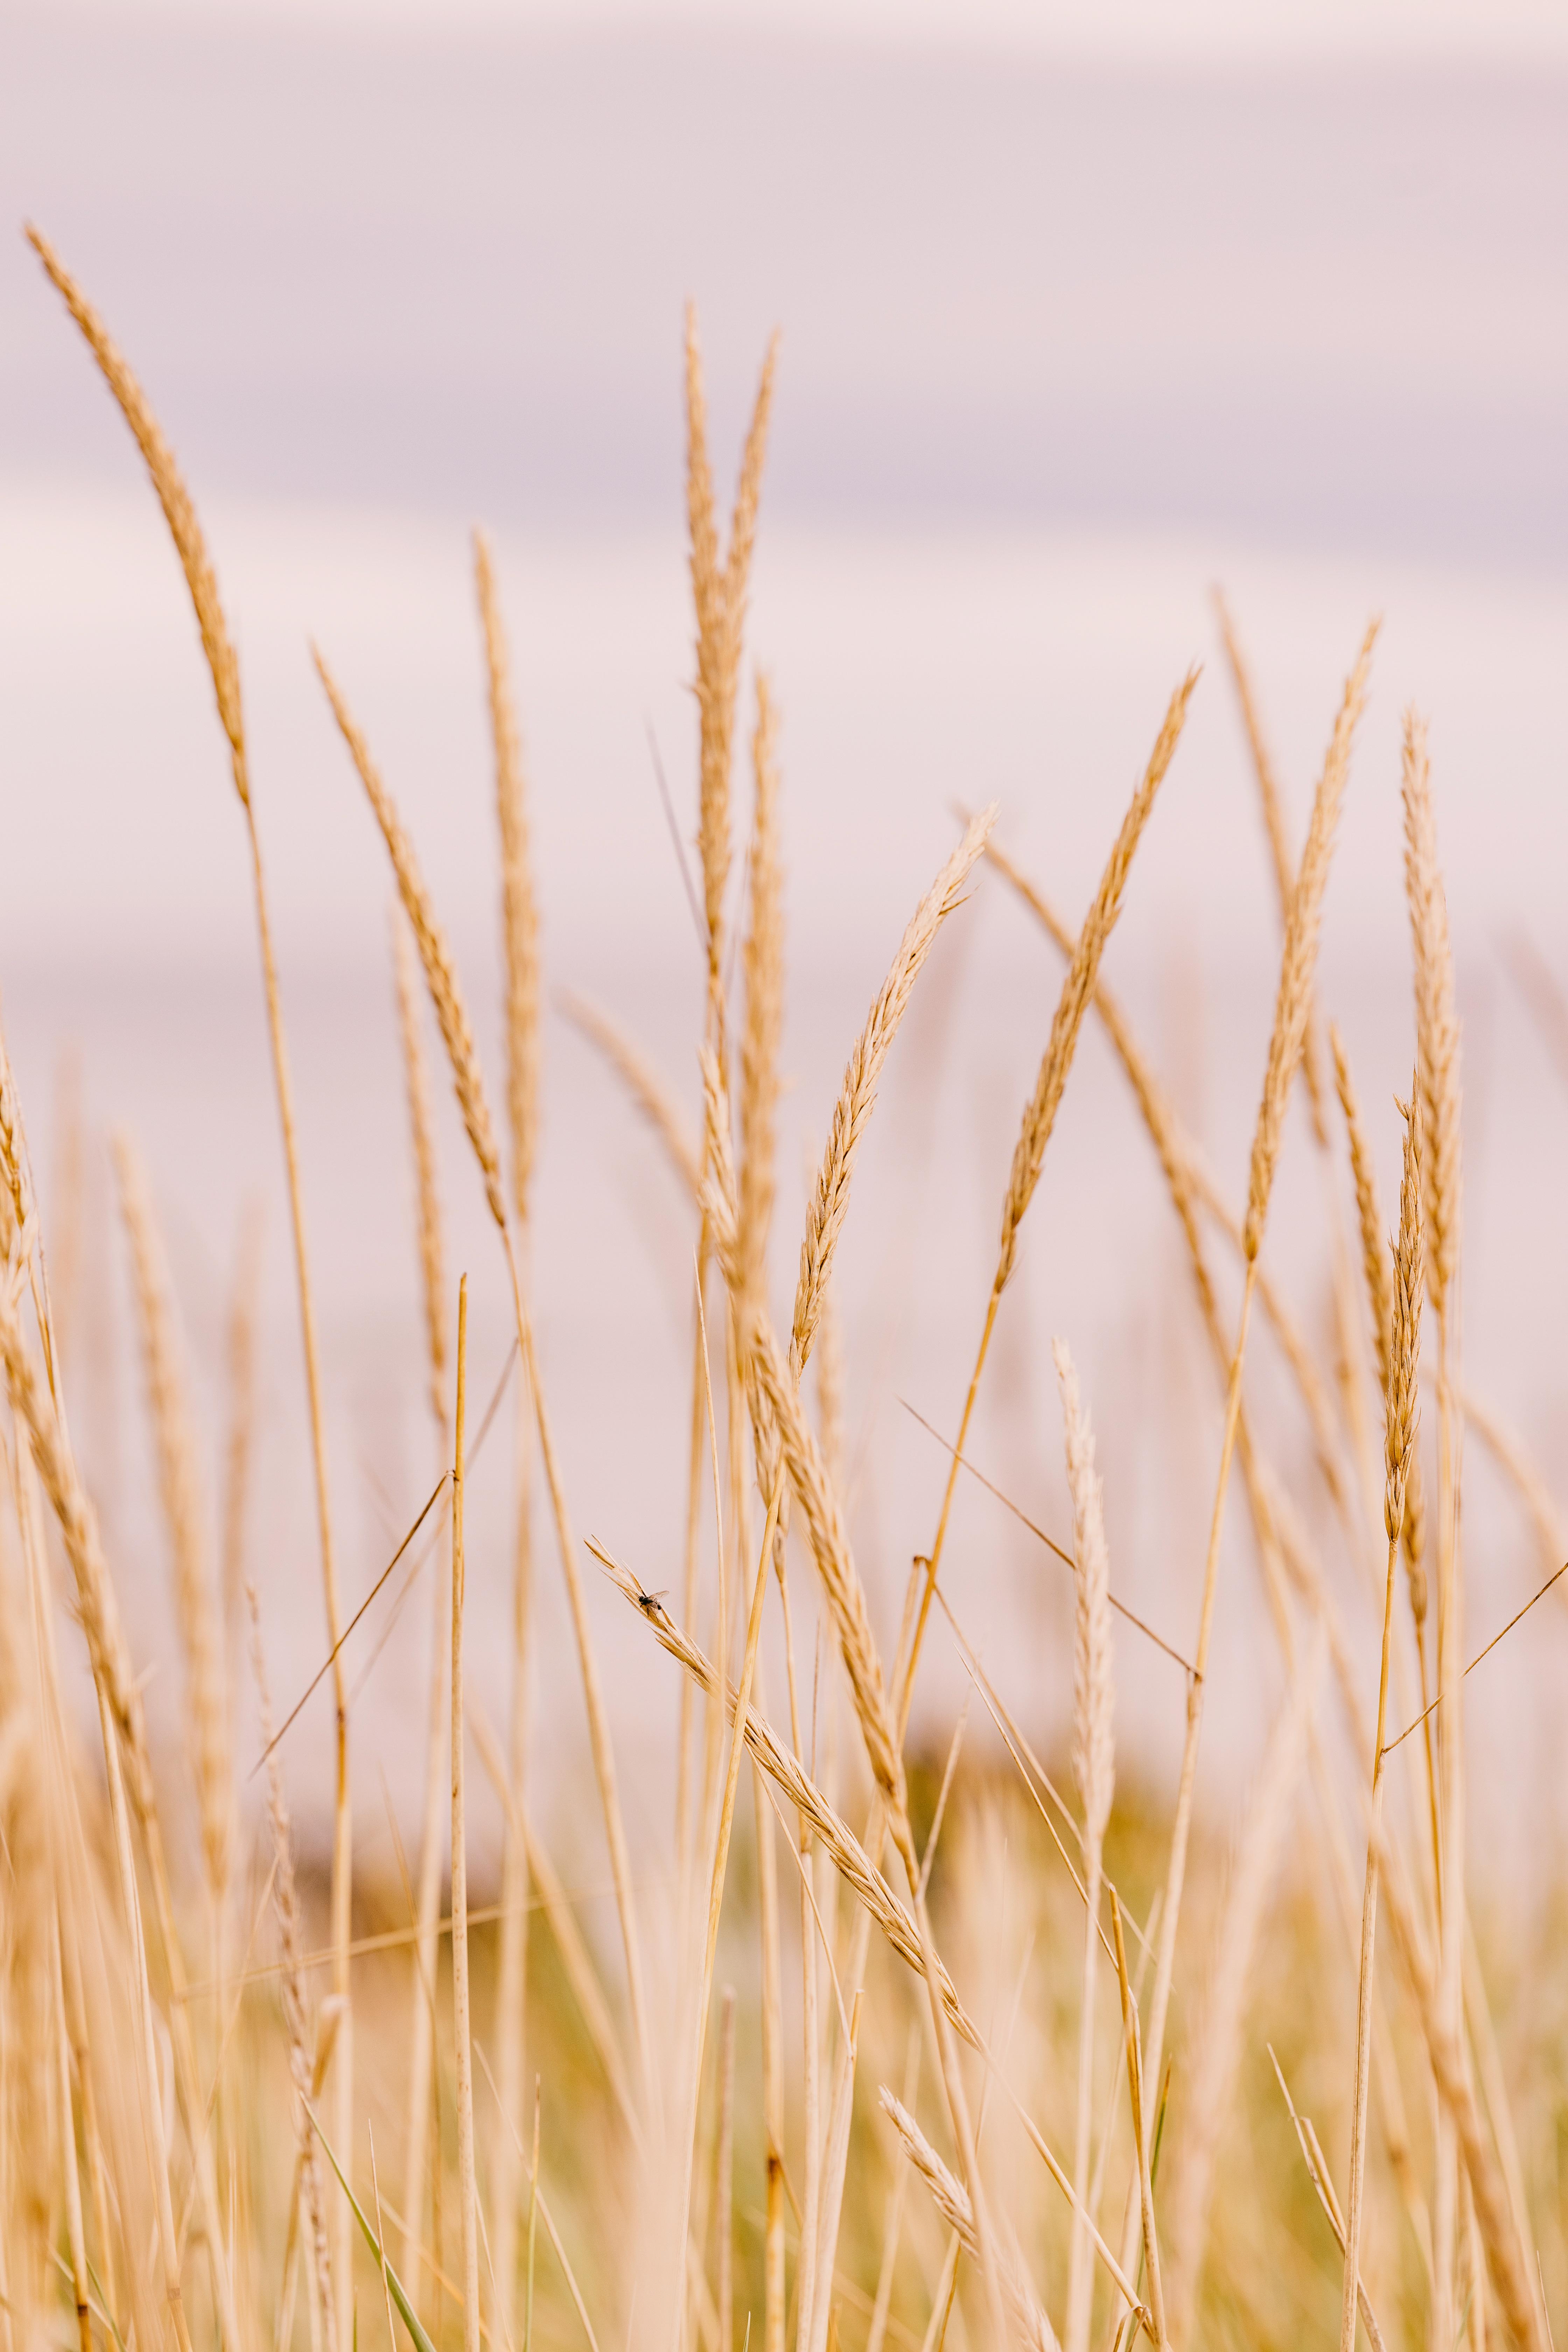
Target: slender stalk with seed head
{"points": [[458, 1036], [1297, 965], [1279, 851], [1437, 1109], [761, 962], [1380, 1288], [719, 585], [37, 1409], [1277, 1535], [1040, 1115], [1399, 1451], [1214, 2049], [222, 662], [180, 1494], [857, 1093], [427, 1889], [520, 942], [763, 967], [292, 1981], [801, 1459], [463, 2052], [1094, 1771]]}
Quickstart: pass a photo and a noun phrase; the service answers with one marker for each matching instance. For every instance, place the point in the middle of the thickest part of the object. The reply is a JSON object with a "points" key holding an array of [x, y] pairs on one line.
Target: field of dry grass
{"points": [[897, 2040]]}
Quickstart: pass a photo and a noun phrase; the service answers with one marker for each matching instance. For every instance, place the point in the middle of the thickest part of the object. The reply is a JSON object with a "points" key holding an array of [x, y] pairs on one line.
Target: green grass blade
{"points": [[406, 2311]]}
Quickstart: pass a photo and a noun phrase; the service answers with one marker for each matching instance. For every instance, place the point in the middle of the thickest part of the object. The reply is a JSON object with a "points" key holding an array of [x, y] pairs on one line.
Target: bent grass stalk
{"points": [[451, 1014], [463, 2054], [428, 1896], [519, 941], [1039, 1118], [222, 662], [1293, 1002]]}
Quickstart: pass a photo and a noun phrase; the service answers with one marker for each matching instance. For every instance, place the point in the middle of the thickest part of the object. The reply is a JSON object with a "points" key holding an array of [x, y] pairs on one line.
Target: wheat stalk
{"points": [[762, 965], [857, 1094], [218, 647], [1215, 2047], [1399, 1448], [519, 933], [1274, 825], [426, 1184], [292, 1981], [519, 910], [719, 596], [1437, 1116], [1293, 1002], [180, 1492], [1297, 965], [802, 1459], [1040, 1113], [1094, 1770], [456, 1033], [1436, 1022], [432, 1289], [173, 497], [952, 2203], [440, 973], [467, 2188], [1378, 1274]]}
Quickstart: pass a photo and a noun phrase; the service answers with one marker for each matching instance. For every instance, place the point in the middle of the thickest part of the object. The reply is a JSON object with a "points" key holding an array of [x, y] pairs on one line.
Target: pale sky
{"points": [[1131, 29]]}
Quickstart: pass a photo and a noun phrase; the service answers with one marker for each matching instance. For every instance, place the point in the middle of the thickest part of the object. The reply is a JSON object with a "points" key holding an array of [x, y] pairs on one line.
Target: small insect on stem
{"points": [[652, 1603]]}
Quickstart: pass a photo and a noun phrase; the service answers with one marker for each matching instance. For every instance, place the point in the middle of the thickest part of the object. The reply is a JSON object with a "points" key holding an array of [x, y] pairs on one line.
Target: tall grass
{"points": [[899, 2125]]}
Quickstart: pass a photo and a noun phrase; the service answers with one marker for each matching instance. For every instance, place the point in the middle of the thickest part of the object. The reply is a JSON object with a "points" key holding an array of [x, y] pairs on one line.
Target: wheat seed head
{"points": [[172, 496], [440, 970], [1094, 1698], [520, 908], [1436, 1094], [180, 1484], [857, 1094], [1378, 1273], [1405, 1349], [763, 1029], [1077, 987], [426, 1184], [1299, 960]]}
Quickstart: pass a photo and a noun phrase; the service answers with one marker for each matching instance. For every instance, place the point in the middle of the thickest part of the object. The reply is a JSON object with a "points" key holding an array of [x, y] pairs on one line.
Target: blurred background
{"points": [[1084, 310]]}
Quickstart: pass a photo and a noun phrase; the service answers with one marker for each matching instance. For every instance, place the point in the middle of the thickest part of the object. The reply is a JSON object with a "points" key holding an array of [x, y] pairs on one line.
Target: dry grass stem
{"points": [[1040, 1114], [520, 945], [857, 1095], [718, 586], [1281, 855], [435, 955], [218, 647], [1436, 1022], [1399, 1448], [1378, 1271], [291, 1983], [952, 2203], [168, 1405], [519, 910], [463, 2059], [1215, 2044], [1297, 962], [760, 1035], [1094, 1768], [427, 1182]]}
